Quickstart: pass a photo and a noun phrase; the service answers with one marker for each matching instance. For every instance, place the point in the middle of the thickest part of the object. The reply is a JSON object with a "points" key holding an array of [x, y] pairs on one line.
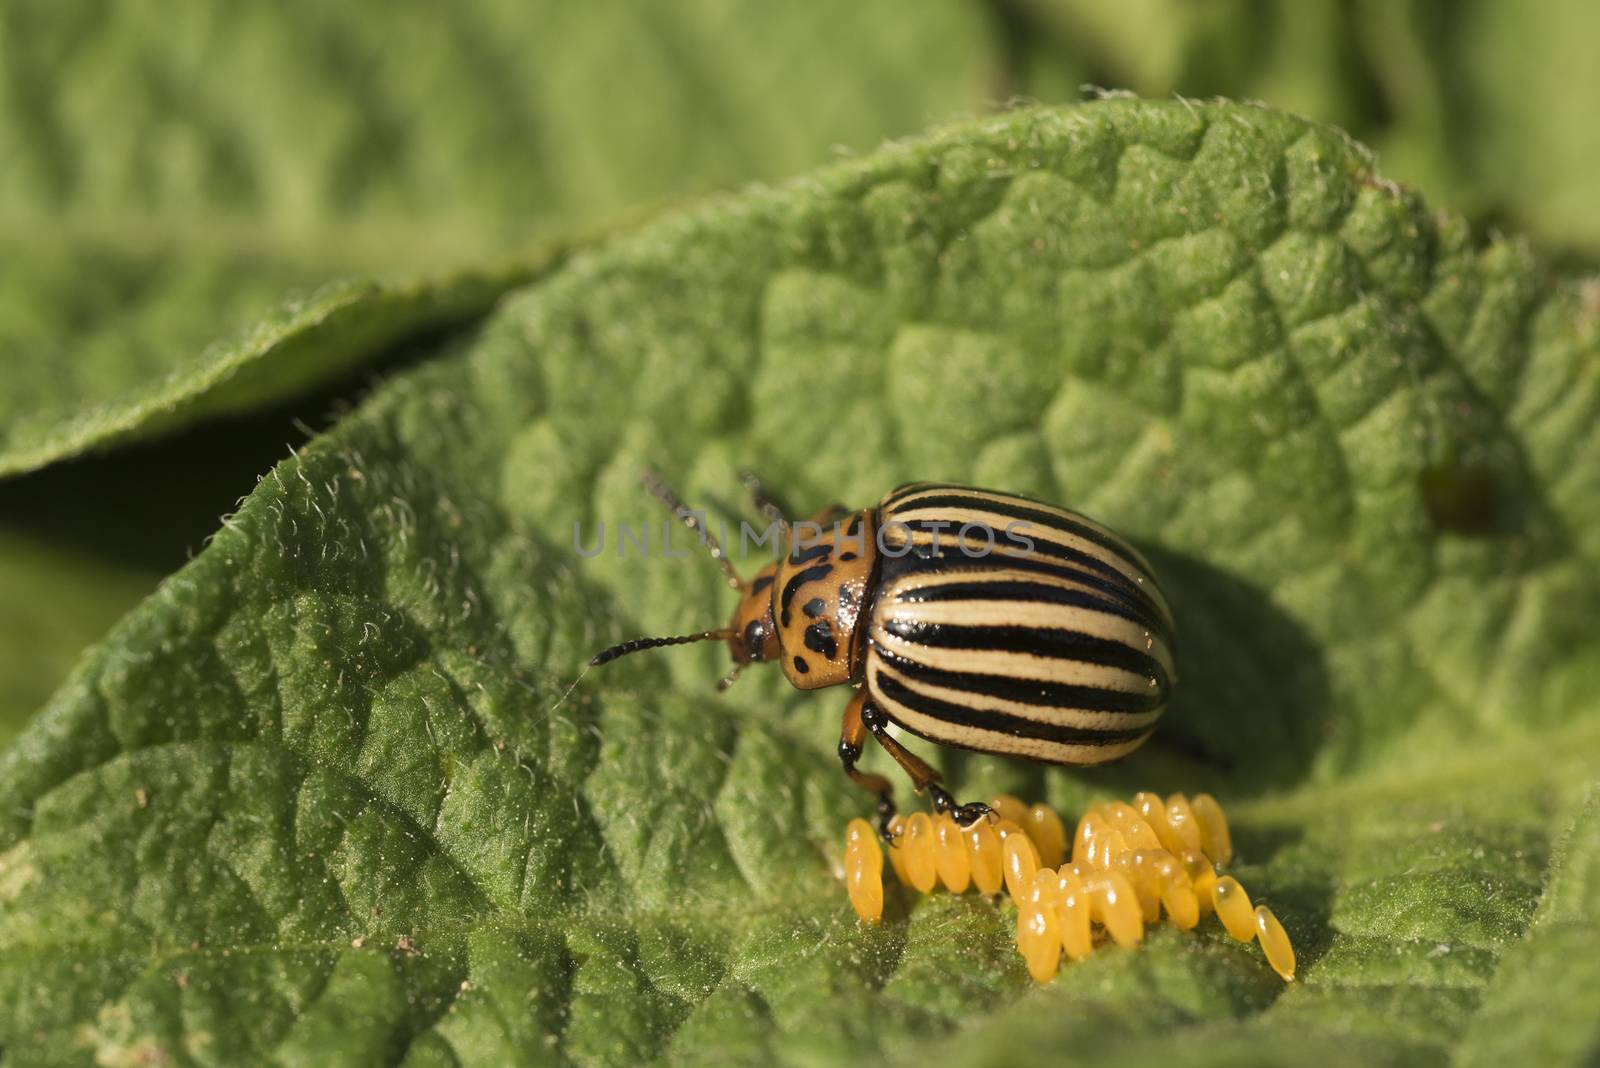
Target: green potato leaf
{"points": [[1484, 105], [172, 173], [332, 796], [93, 402]]}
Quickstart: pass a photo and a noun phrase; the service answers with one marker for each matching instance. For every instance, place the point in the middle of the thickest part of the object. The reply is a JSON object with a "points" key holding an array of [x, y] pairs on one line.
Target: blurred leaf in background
{"points": [[171, 177], [1488, 106]]}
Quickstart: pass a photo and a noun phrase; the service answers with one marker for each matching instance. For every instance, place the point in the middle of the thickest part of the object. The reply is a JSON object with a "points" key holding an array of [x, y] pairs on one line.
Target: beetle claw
{"points": [[971, 812], [886, 815], [965, 815]]}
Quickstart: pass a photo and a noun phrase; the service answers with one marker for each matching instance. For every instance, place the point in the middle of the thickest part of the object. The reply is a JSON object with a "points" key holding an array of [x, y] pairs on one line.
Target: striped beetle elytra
{"points": [[976, 619]]}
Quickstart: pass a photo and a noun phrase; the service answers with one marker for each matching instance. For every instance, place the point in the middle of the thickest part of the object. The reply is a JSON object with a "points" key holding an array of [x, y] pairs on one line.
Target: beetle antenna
{"points": [[605, 656], [657, 487]]}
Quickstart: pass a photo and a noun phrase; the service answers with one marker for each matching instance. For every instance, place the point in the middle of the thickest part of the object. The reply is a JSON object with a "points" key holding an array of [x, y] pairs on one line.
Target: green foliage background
{"points": [[309, 799]]}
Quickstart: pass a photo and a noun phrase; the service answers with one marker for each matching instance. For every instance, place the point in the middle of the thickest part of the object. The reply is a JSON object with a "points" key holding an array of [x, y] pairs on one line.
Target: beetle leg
{"points": [[923, 777], [851, 735], [965, 815]]}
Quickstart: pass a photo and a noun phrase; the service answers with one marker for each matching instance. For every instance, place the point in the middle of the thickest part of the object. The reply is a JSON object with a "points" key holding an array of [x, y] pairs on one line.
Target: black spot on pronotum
{"points": [[819, 639], [814, 607], [760, 584], [796, 580], [845, 558], [801, 666], [800, 556]]}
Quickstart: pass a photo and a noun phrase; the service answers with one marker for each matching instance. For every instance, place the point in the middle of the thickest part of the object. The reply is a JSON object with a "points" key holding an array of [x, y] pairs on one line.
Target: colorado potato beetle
{"points": [[976, 619]]}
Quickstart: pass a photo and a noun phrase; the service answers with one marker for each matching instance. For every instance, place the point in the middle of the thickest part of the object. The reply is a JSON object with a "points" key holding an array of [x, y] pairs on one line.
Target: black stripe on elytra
{"points": [[1036, 641], [1021, 508], [1014, 590], [1040, 692], [801, 556], [950, 545], [819, 639], [906, 489], [984, 719], [1137, 607], [796, 580]]}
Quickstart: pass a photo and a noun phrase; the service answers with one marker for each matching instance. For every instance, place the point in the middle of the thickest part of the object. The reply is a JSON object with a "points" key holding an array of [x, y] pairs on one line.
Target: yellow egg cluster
{"points": [[1130, 864]]}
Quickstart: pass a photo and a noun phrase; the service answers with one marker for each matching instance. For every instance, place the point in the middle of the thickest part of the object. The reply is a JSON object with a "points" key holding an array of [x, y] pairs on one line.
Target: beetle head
{"points": [[755, 635]]}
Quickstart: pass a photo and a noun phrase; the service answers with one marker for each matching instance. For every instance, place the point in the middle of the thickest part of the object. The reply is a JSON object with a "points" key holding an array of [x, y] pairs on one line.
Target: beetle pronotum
{"points": [[976, 619]]}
